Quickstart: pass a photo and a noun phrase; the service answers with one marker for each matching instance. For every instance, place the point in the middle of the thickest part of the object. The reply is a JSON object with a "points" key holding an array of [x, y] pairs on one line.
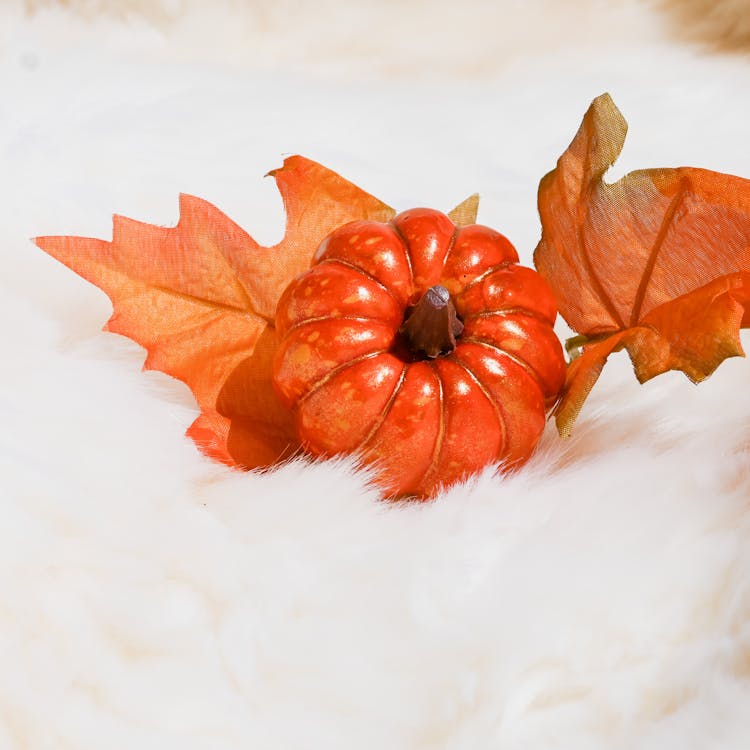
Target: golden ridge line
{"points": [[507, 311], [381, 419], [498, 414], [336, 370], [364, 273], [438, 447], [528, 369], [482, 276], [327, 318], [407, 250], [451, 244]]}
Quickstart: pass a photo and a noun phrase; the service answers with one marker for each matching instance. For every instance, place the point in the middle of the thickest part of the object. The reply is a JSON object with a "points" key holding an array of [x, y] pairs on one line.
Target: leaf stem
{"points": [[575, 345]]}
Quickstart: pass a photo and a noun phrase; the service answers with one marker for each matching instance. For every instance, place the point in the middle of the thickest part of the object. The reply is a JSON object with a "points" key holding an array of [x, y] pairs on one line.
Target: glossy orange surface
{"points": [[354, 386]]}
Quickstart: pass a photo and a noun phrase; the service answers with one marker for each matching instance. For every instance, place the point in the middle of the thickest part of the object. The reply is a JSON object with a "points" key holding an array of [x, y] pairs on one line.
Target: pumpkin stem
{"points": [[432, 325]]}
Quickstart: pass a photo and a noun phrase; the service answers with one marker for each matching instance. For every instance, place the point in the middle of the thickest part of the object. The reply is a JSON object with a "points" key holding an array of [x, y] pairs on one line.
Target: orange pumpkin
{"points": [[420, 346]]}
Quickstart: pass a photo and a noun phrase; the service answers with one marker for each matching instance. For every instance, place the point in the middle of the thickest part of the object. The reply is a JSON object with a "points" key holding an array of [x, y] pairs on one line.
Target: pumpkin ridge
{"points": [[512, 357], [323, 318], [361, 271], [498, 414], [438, 447], [386, 410], [407, 251], [336, 370], [451, 245], [502, 312], [482, 276]]}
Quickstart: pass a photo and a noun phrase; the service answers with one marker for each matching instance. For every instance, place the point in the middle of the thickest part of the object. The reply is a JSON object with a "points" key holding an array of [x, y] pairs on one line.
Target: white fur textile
{"points": [[150, 599]]}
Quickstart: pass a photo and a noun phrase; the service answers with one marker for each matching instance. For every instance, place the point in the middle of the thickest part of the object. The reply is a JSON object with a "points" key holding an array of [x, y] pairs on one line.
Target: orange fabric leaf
{"points": [[201, 298], [655, 263]]}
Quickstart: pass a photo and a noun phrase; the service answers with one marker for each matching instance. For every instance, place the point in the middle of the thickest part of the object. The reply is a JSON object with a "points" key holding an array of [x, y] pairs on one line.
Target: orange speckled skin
{"points": [[345, 371]]}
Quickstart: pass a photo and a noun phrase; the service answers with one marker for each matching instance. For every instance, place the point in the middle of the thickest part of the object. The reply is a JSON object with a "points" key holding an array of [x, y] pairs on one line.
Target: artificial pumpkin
{"points": [[421, 346]]}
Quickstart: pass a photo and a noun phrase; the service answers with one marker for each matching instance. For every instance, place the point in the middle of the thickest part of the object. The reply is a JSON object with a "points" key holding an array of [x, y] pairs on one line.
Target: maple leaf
{"points": [[201, 298], [657, 263]]}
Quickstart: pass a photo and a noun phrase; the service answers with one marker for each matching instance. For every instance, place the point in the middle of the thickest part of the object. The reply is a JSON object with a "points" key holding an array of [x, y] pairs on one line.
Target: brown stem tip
{"points": [[432, 325]]}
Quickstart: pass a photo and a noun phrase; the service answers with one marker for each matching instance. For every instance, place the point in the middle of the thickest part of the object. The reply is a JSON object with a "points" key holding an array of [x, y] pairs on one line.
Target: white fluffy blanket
{"points": [[151, 599]]}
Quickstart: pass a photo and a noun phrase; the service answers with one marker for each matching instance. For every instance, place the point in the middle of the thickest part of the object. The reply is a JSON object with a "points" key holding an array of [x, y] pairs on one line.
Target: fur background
{"points": [[150, 599]]}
